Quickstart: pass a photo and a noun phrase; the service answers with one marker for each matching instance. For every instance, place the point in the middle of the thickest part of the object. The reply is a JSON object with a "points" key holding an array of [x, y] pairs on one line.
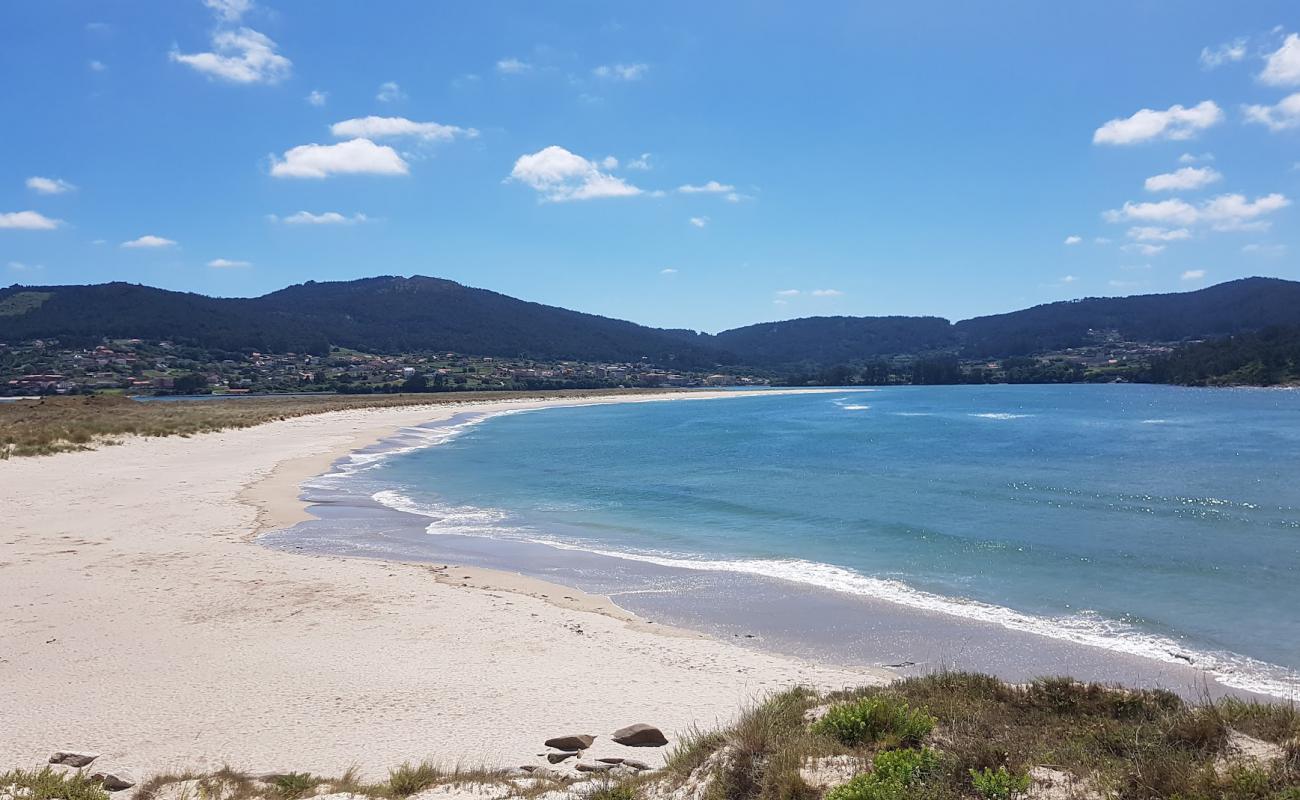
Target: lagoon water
{"points": [[1152, 522]]}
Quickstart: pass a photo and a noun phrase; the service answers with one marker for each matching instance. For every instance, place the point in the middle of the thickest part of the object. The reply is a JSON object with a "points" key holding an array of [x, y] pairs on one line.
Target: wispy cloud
{"points": [[1073, 240], [318, 98], [1193, 275], [699, 222], [27, 221], [1184, 179], [325, 218], [148, 242], [1282, 116], [621, 72], [390, 92], [239, 56], [390, 127], [513, 66], [710, 187], [1175, 122], [1228, 52], [1227, 212], [227, 263], [48, 185], [1282, 66]]}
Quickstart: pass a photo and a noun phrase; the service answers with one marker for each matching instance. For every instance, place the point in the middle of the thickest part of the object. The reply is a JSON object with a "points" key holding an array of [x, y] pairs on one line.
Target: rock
{"points": [[557, 756], [634, 764], [114, 780], [528, 767], [640, 735], [832, 771], [614, 760], [576, 741], [583, 766], [73, 758]]}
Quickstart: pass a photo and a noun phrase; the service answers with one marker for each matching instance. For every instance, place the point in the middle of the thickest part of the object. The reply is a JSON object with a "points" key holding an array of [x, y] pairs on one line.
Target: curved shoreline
{"points": [[137, 620]]}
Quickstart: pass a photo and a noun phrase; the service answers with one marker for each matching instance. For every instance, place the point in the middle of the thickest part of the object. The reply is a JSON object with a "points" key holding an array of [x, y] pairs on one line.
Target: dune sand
{"points": [[139, 618]]}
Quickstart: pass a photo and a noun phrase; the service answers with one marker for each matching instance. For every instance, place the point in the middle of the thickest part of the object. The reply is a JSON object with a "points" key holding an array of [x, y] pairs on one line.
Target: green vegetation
{"points": [[1000, 785], [947, 736], [46, 784], [20, 303], [874, 719], [54, 424], [1269, 357], [893, 773]]}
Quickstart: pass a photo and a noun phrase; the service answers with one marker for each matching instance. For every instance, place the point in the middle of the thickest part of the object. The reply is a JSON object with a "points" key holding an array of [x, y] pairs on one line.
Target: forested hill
{"points": [[385, 315], [394, 314]]}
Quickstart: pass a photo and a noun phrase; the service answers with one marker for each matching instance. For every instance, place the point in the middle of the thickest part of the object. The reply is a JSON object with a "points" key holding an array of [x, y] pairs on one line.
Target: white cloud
{"points": [[620, 72], [788, 293], [1154, 234], [513, 66], [1227, 212], [18, 266], [96, 65], [27, 221], [699, 222], [1283, 116], [668, 271], [226, 263], [1148, 124], [561, 176], [1264, 249], [354, 157], [1072, 240], [826, 293], [1190, 158], [48, 185], [326, 218], [1068, 279], [1282, 66], [641, 162], [1193, 275], [1233, 212], [318, 98], [390, 92], [609, 162], [229, 10], [1186, 178], [1227, 52], [148, 241], [239, 56], [1144, 249], [388, 127], [712, 187]]}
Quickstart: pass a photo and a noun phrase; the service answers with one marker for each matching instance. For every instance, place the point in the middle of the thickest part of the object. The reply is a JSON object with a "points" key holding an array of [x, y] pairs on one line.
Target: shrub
{"points": [[50, 785], [292, 785], [1000, 785], [872, 719], [893, 773], [406, 780]]}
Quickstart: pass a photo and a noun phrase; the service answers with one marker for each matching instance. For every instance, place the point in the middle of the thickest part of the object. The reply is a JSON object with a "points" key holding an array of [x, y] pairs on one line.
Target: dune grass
{"points": [[49, 784], [55, 424]]}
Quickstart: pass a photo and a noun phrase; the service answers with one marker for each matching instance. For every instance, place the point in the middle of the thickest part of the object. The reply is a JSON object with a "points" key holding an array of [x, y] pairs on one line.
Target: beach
{"points": [[140, 619]]}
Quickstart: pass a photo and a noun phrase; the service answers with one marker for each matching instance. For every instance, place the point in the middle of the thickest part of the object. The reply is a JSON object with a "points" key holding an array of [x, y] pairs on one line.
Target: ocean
{"points": [[1115, 531]]}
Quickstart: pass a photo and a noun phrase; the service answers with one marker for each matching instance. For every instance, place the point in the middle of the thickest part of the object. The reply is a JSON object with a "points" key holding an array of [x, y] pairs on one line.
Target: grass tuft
{"points": [[46, 784]]}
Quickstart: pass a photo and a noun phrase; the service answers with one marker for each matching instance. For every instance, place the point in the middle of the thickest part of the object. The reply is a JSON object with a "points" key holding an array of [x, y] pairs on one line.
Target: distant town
{"points": [[160, 368]]}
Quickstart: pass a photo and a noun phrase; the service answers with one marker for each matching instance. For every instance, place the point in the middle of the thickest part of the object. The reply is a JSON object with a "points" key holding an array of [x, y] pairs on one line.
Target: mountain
{"points": [[1220, 310], [835, 340], [393, 314], [385, 314]]}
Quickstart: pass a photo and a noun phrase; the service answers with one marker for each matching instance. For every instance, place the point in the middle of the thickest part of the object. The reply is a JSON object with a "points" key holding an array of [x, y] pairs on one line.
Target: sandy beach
{"points": [[139, 618]]}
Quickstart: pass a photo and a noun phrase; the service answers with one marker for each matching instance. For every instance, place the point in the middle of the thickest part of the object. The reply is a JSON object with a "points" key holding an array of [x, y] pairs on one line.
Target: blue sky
{"points": [[700, 165]]}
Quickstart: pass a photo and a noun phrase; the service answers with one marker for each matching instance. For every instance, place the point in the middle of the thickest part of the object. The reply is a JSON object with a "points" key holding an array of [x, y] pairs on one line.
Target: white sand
{"points": [[138, 618]]}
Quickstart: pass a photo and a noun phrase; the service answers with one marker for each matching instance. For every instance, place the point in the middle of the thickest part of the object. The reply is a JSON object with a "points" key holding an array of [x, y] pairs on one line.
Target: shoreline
{"points": [[140, 623], [924, 637]]}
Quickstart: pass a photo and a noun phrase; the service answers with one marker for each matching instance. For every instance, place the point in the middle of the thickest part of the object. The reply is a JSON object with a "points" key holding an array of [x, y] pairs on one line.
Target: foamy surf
{"points": [[1086, 628]]}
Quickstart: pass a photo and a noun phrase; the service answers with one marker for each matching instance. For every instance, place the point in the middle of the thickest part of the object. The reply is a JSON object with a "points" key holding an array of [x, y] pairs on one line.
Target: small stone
{"points": [[640, 735], [634, 764], [583, 766], [556, 756], [614, 760], [73, 758], [574, 741], [114, 780]]}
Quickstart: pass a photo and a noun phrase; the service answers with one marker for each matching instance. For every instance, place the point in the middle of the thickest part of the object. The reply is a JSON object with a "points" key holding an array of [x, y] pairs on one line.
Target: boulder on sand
{"points": [[73, 758], [634, 764], [556, 756], [574, 741], [640, 735], [114, 780], [583, 766]]}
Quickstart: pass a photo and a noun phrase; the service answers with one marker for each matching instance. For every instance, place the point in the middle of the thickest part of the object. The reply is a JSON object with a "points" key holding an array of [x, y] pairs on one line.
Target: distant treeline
{"points": [[1269, 357], [940, 371]]}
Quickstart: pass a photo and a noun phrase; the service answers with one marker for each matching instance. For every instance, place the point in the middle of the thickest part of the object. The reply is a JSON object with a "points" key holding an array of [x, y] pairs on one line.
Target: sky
{"points": [[695, 165]]}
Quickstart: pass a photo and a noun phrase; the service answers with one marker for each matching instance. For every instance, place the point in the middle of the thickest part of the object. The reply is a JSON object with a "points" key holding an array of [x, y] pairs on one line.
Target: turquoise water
{"points": [[1153, 521]]}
